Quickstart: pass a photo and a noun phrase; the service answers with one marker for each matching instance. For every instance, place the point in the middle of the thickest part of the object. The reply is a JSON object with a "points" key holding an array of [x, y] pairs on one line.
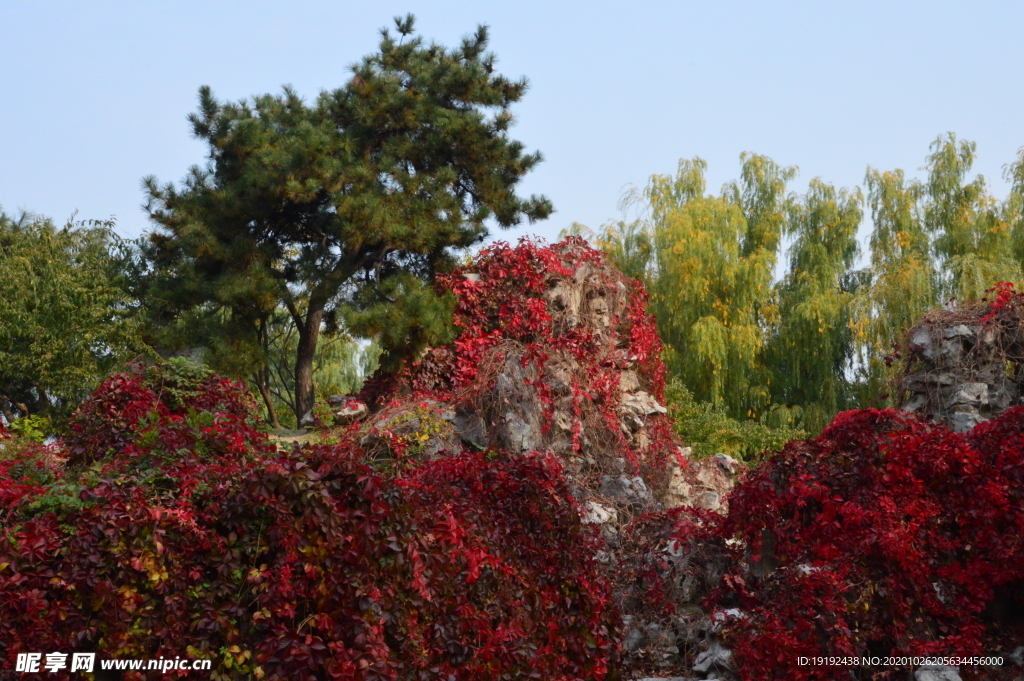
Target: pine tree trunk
{"points": [[309, 333]]}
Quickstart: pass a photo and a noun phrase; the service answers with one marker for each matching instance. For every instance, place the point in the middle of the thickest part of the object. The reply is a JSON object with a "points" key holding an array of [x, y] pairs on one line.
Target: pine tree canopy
{"points": [[343, 210]]}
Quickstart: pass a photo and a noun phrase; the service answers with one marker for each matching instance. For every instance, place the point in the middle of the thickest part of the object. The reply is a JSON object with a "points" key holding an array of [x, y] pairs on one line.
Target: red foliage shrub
{"points": [[883, 536], [28, 472], [506, 301], [505, 307], [1006, 295], [195, 537], [151, 398]]}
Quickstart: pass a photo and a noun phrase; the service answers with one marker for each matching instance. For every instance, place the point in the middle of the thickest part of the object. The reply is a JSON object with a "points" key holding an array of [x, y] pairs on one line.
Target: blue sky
{"points": [[95, 95]]}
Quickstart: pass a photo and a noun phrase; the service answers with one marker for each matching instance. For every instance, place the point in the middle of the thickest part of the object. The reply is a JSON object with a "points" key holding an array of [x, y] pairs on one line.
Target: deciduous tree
{"points": [[972, 241], [66, 319], [811, 347]]}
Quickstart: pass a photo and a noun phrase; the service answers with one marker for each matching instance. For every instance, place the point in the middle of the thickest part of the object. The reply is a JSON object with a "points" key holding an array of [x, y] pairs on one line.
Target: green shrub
{"points": [[708, 430]]}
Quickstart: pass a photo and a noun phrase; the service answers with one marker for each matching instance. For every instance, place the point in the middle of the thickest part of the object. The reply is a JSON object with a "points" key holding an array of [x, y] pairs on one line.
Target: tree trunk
{"points": [[261, 383], [309, 333]]}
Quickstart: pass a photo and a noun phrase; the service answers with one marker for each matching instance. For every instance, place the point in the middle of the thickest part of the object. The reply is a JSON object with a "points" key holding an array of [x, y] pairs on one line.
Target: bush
{"points": [[708, 430], [883, 536], [188, 533]]}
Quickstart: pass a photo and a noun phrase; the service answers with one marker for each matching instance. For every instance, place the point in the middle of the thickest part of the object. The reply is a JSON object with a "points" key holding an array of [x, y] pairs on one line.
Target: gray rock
{"points": [[949, 352], [1017, 656], [626, 490], [633, 640], [661, 642], [471, 429], [597, 514], [958, 331], [519, 427], [921, 342], [1002, 397], [916, 402], [727, 463], [708, 500], [642, 403], [963, 421], [937, 674], [716, 656], [628, 381], [718, 619], [349, 410], [970, 394], [919, 383], [520, 436]]}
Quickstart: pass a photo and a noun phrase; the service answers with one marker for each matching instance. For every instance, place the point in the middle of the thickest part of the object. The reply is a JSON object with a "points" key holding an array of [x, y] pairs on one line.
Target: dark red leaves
{"points": [[200, 539]]}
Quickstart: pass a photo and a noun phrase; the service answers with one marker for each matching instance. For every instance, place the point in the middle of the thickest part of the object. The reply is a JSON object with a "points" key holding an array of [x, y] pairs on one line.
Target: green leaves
{"points": [[66, 318], [820, 335], [972, 238], [712, 292], [339, 207], [811, 346]]}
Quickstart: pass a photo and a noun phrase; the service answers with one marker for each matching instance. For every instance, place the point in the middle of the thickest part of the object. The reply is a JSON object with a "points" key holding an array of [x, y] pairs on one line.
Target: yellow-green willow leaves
{"points": [[711, 286], [811, 346], [904, 280], [972, 241]]}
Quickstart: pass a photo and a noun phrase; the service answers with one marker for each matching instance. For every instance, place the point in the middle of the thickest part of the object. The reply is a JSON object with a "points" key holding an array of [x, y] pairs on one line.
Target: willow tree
{"points": [[629, 245], [972, 240], [343, 211], [811, 346], [711, 288], [1013, 208], [904, 280]]}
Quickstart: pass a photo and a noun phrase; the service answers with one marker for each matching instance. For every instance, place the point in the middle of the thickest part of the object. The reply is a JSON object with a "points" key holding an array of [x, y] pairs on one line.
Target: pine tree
{"points": [[343, 211]]}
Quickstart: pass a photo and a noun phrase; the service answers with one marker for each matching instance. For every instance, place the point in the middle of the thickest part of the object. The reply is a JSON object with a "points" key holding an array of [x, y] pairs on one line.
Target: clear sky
{"points": [[95, 94]]}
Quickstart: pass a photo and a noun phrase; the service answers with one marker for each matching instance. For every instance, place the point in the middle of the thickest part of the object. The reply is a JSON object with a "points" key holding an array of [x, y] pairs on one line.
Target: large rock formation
{"points": [[964, 365], [558, 354]]}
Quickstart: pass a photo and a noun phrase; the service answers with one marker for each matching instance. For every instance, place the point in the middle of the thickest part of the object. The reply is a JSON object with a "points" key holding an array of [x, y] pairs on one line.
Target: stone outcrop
{"points": [[960, 373], [597, 410], [702, 484]]}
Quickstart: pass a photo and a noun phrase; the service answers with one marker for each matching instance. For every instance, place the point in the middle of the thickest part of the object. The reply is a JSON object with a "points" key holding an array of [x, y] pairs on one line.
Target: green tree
{"points": [[972, 240], [629, 246], [712, 284], [339, 366], [708, 430], [811, 347], [343, 211], [1013, 208], [903, 279], [66, 319]]}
